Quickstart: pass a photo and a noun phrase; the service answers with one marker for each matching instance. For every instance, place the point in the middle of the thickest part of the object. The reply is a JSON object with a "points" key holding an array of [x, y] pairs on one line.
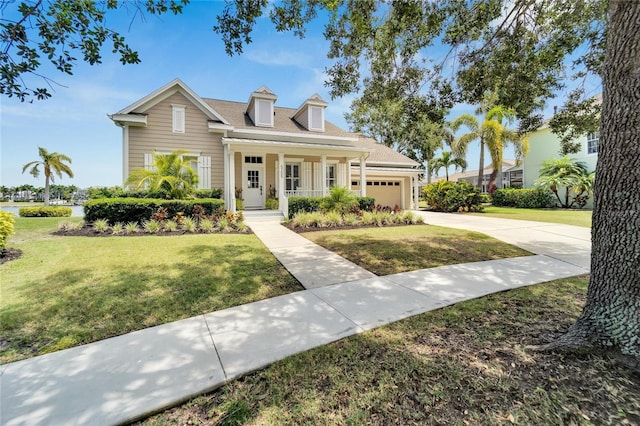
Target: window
{"points": [[593, 139], [252, 159], [292, 176], [316, 121], [264, 113], [191, 161], [331, 175], [253, 179], [178, 118]]}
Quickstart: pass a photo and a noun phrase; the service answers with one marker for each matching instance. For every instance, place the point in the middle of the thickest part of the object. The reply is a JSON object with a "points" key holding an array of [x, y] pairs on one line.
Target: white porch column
{"points": [[416, 192], [226, 188], [363, 176], [349, 174], [323, 173], [282, 200], [232, 180]]}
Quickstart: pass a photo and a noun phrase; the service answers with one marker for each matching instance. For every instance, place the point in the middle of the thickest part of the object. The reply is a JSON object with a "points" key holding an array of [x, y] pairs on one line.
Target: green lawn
{"points": [[390, 250], [66, 291], [564, 216], [467, 364]]}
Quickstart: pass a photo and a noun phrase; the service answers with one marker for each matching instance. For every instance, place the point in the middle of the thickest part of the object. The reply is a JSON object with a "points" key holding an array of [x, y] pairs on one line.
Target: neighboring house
{"points": [[253, 148], [543, 144], [511, 175]]}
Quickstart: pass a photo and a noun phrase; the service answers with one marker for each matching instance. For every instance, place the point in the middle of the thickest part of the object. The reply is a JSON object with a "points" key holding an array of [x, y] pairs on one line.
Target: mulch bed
{"points": [[87, 231], [9, 254]]}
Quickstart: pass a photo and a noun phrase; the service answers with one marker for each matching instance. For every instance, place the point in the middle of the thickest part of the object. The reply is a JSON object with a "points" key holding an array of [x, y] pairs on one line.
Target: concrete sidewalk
{"points": [[126, 377], [312, 265]]}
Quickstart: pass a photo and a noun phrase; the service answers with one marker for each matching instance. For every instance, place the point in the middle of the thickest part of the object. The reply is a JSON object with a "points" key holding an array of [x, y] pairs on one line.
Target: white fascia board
{"points": [[386, 171], [136, 120], [297, 148], [289, 135], [169, 89], [215, 127]]}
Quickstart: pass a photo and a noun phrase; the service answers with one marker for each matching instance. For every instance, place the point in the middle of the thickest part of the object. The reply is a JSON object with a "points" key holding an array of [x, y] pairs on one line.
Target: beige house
{"points": [[512, 173], [253, 148]]}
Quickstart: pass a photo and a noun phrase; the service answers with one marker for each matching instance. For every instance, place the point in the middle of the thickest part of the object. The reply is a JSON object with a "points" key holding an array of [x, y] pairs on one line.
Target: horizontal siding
{"points": [[158, 135]]}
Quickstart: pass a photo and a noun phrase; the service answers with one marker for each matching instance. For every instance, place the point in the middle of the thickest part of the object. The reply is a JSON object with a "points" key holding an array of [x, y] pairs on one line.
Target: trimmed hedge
{"points": [[46, 211], [446, 196], [138, 209], [366, 204], [6, 228], [312, 204], [208, 193], [303, 204], [524, 198]]}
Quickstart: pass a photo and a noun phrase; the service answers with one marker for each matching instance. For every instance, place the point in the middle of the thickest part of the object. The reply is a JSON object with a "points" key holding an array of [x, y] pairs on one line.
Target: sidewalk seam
{"points": [[358, 328], [215, 348]]}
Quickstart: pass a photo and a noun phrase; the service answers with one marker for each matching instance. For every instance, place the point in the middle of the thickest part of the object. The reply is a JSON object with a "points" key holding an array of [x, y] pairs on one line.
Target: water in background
{"points": [[76, 211]]}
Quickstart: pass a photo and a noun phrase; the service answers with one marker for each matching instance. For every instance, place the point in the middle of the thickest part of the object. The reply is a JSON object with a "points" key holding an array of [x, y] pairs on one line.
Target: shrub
{"points": [[524, 198], [206, 225], [131, 228], [117, 228], [332, 218], [242, 227], [46, 211], [303, 204], [100, 225], [140, 209], [351, 219], [340, 199], [446, 196], [66, 225], [485, 198], [208, 193], [366, 204], [172, 225], [188, 224], [6, 228], [271, 204], [151, 226]]}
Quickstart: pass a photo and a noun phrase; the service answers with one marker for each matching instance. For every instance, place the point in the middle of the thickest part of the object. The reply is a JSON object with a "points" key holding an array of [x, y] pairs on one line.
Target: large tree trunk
{"points": [[611, 316]]}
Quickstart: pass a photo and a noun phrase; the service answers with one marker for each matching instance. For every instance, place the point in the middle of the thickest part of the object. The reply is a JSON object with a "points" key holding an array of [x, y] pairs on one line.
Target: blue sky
{"points": [[74, 121]]}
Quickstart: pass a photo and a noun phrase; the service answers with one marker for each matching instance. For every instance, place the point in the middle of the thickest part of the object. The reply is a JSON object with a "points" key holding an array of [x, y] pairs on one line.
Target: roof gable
{"points": [[157, 96]]}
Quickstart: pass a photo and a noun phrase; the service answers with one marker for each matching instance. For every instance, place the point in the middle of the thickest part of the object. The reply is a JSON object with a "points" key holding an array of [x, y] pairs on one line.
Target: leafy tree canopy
{"points": [[516, 49], [58, 31]]}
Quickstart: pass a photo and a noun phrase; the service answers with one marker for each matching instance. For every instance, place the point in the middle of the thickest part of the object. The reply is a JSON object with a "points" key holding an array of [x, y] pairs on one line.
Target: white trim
{"points": [[310, 118], [308, 147], [218, 127], [253, 166], [125, 153], [136, 120], [296, 135], [167, 90], [178, 118]]}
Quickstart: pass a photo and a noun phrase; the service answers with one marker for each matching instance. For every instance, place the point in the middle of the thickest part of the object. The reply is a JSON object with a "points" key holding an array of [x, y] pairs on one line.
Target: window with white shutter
{"points": [[178, 113]]}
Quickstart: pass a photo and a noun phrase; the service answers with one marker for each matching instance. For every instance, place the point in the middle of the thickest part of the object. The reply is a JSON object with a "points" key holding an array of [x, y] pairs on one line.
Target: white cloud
{"points": [[284, 58]]}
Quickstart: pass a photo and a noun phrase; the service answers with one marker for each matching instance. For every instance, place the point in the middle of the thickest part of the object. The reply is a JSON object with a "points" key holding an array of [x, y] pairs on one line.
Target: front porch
{"points": [[257, 170]]}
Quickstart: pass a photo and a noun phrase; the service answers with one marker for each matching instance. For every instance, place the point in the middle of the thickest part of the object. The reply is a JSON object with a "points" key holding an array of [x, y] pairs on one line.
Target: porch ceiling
{"points": [[294, 148]]}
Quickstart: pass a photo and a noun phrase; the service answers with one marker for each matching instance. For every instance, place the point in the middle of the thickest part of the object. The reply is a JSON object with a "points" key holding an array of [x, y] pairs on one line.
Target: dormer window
{"points": [[260, 107], [178, 118], [316, 118], [264, 113], [311, 114]]}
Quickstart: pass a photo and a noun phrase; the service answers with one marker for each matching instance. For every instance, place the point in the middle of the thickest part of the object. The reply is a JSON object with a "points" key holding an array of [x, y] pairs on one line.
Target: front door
{"points": [[253, 192]]}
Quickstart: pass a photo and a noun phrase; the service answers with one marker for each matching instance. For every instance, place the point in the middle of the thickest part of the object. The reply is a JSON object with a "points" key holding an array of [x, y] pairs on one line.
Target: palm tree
{"points": [[171, 175], [570, 174], [492, 135], [52, 163], [447, 160]]}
